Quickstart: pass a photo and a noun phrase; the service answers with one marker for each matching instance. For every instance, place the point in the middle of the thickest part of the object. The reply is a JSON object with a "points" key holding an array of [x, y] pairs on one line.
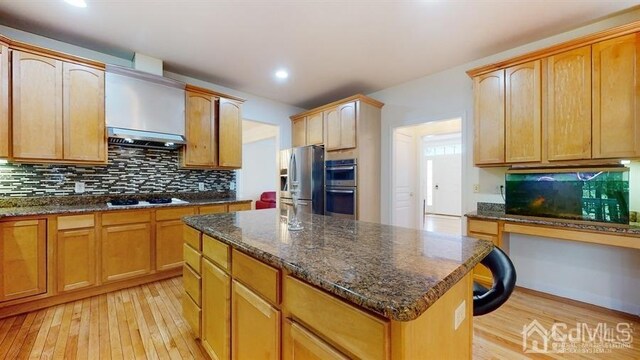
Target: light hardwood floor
{"points": [[443, 224], [146, 322]]}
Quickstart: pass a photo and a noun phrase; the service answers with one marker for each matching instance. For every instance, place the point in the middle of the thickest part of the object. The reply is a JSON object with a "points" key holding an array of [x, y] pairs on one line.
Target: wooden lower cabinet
{"points": [[239, 207], [484, 230], [23, 260], [76, 259], [170, 237], [212, 209], [126, 251], [301, 344], [255, 326], [216, 311]]}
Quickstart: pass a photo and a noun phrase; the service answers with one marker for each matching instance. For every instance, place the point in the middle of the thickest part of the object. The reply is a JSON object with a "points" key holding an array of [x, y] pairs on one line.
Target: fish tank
{"points": [[599, 195]]}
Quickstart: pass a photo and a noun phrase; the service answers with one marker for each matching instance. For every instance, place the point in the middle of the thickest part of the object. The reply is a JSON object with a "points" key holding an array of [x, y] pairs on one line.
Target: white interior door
{"points": [[447, 176], [404, 175]]}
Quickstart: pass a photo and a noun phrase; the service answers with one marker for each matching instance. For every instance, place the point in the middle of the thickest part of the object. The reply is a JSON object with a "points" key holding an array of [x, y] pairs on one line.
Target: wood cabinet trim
{"points": [[559, 48], [357, 97], [21, 46], [205, 91]]}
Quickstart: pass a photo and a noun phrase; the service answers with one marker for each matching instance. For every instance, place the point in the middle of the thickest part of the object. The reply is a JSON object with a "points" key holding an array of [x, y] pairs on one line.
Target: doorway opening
{"points": [[427, 176], [260, 160]]}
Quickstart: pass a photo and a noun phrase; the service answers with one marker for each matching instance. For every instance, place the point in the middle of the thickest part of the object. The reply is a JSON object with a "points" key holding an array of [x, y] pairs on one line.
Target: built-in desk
{"points": [[493, 226]]}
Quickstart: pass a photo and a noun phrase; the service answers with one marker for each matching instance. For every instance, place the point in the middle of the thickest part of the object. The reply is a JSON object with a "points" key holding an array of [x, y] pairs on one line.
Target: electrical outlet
{"points": [[201, 186], [79, 187], [232, 186], [460, 314], [476, 188]]}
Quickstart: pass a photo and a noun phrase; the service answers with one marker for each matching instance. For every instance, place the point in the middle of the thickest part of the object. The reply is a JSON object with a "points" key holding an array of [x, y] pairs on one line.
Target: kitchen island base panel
{"points": [[312, 322]]}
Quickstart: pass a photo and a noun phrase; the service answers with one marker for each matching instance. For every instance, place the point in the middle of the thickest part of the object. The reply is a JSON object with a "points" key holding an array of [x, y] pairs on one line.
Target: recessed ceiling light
{"points": [[77, 3], [282, 74]]}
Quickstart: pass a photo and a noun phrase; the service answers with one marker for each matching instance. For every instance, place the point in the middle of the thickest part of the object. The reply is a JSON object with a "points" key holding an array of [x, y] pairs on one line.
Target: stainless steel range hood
{"points": [[144, 110]]}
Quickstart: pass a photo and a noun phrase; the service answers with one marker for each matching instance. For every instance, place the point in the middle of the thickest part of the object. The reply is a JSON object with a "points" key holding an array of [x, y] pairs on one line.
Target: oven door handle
{"points": [[331, 168], [342, 191]]}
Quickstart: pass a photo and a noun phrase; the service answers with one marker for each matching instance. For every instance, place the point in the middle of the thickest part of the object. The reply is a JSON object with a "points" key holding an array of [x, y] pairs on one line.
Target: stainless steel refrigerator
{"points": [[305, 165]]}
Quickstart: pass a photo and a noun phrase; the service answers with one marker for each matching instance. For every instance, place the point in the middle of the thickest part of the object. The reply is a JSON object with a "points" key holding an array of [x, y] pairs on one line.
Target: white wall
{"points": [[449, 94], [259, 168], [255, 108]]}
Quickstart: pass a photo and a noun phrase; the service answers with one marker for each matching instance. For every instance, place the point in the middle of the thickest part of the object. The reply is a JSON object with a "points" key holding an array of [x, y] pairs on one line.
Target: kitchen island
{"points": [[337, 289]]}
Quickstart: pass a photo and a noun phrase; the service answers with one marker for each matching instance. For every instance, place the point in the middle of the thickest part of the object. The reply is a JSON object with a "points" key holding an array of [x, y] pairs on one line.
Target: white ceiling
{"points": [[332, 48]]}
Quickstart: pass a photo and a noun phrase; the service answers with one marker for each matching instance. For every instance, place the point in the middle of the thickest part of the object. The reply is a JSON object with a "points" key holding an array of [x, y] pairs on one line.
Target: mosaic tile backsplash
{"points": [[129, 171]]}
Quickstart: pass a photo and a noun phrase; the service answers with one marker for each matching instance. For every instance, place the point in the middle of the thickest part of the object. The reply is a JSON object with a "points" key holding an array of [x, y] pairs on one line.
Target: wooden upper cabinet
{"points": [[341, 127], [37, 107], [200, 150], [332, 119], [568, 105], [4, 102], [522, 113], [315, 129], [22, 258], [230, 151], [83, 113], [299, 132], [616, 97], [489, 118]]}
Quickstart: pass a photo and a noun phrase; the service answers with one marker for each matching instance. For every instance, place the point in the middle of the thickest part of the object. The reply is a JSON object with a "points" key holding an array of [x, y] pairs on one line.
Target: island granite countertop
{"points": [[393, 271], [86, 204]]}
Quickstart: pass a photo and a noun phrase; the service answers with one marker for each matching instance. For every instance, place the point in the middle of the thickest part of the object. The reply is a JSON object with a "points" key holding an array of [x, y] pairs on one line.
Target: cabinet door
{"points": [[315, 129], [255, 326], [216, 314], [347, 114], [301, 344], [83, 113], [22, 258], [37, 107], [4, 101], [332, 119], [298, 132], [488, 143], [126, 251], [480, 272], [616, 97], [169, 240], [230, 134], [76, 259], [568, 105], [200, 149], [522, 113]]}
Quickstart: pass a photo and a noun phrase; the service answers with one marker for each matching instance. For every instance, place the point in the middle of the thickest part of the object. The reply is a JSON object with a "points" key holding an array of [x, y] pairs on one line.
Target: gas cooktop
{"points": [[152, 201]]}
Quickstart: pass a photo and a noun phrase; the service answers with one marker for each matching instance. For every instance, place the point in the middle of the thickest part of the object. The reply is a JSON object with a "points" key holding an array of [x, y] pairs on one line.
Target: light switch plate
{"points": [[460, 314], [79, 187], [476, 188]]}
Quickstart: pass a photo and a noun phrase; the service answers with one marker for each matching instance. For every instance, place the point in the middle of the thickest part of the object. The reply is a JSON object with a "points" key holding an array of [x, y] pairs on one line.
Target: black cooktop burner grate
{"points": [[123, 202], [159, 201]]}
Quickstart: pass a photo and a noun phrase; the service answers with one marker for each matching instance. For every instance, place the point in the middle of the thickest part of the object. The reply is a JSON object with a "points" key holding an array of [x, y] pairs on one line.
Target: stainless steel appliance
{"points": [[341, 192], [308, 172]]}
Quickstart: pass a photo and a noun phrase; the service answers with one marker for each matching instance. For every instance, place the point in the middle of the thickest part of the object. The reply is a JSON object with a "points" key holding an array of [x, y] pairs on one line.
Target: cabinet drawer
{"points": [[125, 217], [492, 238], [192, 283], [360, 334], [259, 276], [216, 251], [76, 222], [191, 313], [239, 207], [191, 258], [299, 342], [174, 213], [486, 227], [192, 237], [213, 209]]}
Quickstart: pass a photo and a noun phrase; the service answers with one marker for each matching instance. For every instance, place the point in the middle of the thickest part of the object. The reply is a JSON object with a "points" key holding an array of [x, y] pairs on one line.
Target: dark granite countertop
{"points": [[393, 271], [85, 204], [633, 229]]}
